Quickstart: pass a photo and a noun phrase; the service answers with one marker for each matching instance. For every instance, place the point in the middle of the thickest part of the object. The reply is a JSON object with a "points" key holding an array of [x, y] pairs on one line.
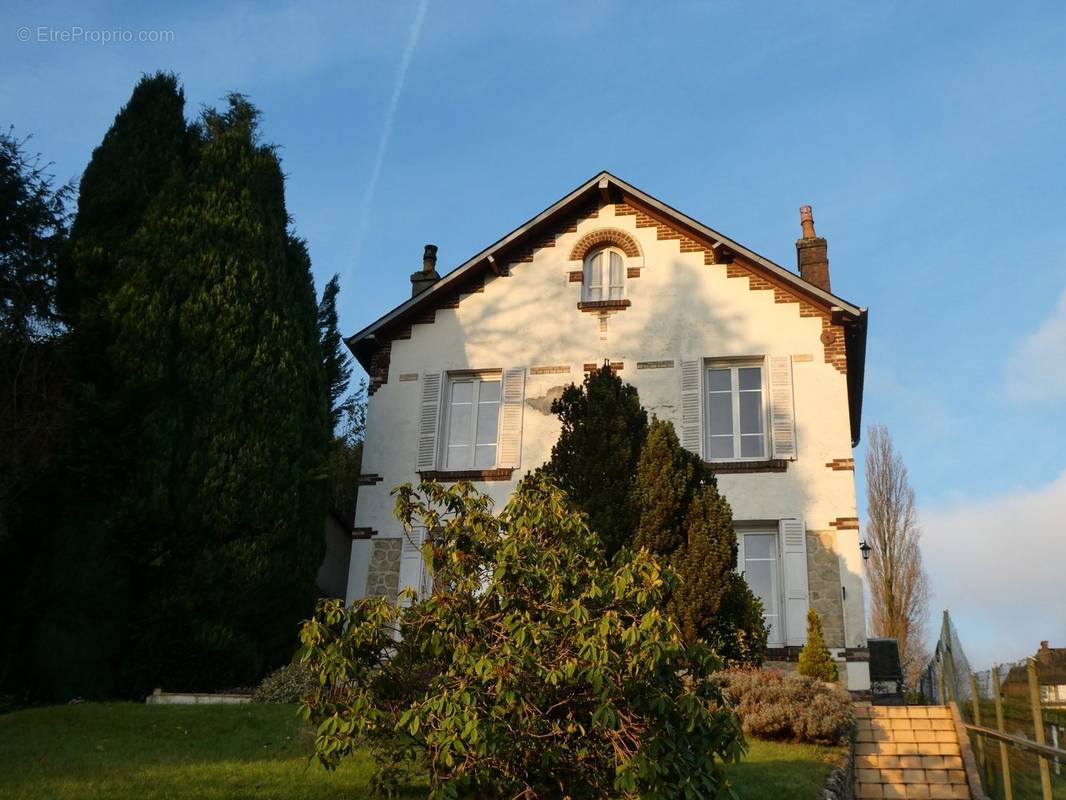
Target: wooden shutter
{"points": [[782, 409], [412, 564], [691, 407], [513, 394], [429, 420], [793, 536]]}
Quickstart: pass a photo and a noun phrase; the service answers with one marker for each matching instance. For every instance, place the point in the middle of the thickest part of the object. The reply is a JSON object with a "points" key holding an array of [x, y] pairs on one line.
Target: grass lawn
{"points": [[126, 750]]}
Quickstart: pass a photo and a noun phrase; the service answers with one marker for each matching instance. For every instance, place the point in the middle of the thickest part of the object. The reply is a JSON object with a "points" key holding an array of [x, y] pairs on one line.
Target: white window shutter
{"points": [[793, 536], [691, 407], [429, 420], [513, 393], [782, 408], [413, 572]]}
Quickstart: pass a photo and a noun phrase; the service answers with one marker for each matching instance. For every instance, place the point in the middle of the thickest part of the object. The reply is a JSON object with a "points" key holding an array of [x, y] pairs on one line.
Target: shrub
{"points": [[534, 669], [773, 705], [814, 659], [288, 684], [738, 633]]}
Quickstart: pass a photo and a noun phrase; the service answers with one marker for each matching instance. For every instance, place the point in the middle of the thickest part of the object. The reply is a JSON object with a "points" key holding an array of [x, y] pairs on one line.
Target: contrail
{"points": [[386, 131]]}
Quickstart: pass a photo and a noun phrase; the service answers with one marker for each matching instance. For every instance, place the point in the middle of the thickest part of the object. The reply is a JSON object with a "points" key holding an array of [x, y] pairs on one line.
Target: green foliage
{"points": [[203, 430], [683, 518], [346, 455], [336, 363], [595, 459], [814, 659], [772, 705], [532, 670], [738, 633], [34, 400], [288, 684]]}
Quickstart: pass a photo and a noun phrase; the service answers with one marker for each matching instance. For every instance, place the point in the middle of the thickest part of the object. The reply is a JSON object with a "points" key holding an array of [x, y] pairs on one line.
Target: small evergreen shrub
{"points": [[288, 684], [794, 708], [814, 659]]}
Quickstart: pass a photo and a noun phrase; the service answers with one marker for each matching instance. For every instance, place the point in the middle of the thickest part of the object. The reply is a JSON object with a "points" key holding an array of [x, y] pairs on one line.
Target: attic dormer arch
{"points": [[602, 237]]}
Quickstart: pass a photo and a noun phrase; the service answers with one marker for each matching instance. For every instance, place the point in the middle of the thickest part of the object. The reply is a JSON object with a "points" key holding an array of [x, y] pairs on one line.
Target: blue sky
{"points": [[928, 137]]}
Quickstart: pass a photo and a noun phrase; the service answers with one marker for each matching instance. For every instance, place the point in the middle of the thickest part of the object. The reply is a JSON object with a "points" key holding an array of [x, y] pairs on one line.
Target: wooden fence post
{"points": [[1038, 727], [975, 697], [1004, 757]]}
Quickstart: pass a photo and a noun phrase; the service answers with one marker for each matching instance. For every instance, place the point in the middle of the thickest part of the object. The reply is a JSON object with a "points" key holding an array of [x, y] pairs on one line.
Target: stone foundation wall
{"points": [[383, 574], [823, 578]]}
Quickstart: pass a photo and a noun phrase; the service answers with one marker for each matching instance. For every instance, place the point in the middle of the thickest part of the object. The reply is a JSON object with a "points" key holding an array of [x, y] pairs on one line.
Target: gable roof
{"points": [[601, 189]]}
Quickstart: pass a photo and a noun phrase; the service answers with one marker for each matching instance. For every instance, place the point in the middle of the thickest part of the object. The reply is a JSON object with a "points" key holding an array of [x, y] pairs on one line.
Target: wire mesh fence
{"points": [[1017, 741]]}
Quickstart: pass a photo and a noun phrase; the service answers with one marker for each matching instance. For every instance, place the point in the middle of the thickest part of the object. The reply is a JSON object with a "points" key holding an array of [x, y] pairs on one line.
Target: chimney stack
{"points": [[427, 276], [812, 252]]}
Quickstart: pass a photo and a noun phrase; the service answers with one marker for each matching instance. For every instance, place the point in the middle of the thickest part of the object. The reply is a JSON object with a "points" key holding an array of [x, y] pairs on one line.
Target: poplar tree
{"points": [[595, 458]]}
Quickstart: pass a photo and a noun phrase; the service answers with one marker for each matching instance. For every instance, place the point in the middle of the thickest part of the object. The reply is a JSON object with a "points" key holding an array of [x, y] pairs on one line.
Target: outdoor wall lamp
{"points": [[865, 549]]}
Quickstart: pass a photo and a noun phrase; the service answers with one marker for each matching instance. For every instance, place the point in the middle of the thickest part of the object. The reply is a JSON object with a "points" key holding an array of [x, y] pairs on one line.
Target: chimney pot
{"points": [[812, 252], [429, 258], [1044, 645]]}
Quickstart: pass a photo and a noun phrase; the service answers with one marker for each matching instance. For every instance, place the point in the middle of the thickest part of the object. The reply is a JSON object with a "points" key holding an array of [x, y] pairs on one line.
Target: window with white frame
{"points": [[759, 562], [735, 411], [471, 421], [605, 275]]}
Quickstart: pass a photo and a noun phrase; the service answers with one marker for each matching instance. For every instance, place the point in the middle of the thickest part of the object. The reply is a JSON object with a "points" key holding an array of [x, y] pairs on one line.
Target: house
{"points": [[1050, 677], [759, 369]]}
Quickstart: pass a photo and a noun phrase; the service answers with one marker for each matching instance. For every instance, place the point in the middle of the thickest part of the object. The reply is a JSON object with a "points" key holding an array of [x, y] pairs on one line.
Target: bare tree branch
{"points": [[899, 587]]}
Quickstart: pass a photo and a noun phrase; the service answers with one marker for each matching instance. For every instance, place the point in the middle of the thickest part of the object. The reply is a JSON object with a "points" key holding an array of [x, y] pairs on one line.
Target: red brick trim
{"points": [[853, 654], [619, 238], [767, 465], [616, 367], [369, 479], [363, 533], [632, 272], [845, 523], [834, 350], [379, 367], [451, 476], [790, 653], [841, 464], [604, 305], [577, 276], [555, 370]]}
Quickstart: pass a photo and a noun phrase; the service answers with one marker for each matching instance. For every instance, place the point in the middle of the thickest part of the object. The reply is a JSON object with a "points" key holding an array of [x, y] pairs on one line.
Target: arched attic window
{"points": [[605, 275]]}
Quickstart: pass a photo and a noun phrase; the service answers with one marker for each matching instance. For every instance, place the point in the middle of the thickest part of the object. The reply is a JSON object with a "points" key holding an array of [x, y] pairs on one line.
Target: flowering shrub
{"points": [[533, 670], [773, 705]]}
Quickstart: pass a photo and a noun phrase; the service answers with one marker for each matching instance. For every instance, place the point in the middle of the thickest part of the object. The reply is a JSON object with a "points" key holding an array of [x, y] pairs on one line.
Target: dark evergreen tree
{"points": [[34, 400], [682, 518], [336, 362], [147, 148], [219, 356], [595, 459]]}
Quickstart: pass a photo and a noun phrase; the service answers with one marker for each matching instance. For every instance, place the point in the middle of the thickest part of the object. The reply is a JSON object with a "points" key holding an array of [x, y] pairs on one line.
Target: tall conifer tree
{"points": [[595, 459]]}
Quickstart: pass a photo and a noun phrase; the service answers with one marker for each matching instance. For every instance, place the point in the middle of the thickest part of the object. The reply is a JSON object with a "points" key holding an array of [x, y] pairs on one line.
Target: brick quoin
{"points": [[841, 464], [845, 523]]}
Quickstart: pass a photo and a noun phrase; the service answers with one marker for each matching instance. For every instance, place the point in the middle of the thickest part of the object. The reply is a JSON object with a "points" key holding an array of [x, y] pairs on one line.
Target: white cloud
{"points": [[998, 564], [1036, 370]]}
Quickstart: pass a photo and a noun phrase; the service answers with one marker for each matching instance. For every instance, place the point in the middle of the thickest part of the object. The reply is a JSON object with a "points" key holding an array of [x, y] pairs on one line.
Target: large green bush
{"points": [[288, 684], [773, 705], [533, 670]]}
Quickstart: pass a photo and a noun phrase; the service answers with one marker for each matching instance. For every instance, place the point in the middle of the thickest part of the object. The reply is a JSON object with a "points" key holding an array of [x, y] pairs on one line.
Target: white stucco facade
{"points": [[682, 310]]}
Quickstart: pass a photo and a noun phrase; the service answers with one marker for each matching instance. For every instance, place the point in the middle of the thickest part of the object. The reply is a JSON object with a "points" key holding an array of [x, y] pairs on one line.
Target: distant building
{"points": [[1050, 675]]}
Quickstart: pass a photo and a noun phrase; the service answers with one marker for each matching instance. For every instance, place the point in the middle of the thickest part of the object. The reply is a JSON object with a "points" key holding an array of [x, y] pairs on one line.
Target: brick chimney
{"points": [[812, 252], [1045, 653], [427, 276]]}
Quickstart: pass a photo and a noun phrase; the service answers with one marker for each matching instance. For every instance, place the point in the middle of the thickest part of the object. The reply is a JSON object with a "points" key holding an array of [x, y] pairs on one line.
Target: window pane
{"points": [[750, 377], [485, 456], [462, 391], [489, 392], [720, 413], [750, 412], [759, 575], [616, 293], [595, 271], [719, 380], [617, 271], [759, 545], [751, 446], [488, 419], [593, 295], [721, 447]]}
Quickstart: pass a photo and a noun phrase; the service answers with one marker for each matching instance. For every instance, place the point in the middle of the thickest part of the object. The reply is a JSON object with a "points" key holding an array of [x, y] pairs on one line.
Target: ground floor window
{"points": [[759, 562]]}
